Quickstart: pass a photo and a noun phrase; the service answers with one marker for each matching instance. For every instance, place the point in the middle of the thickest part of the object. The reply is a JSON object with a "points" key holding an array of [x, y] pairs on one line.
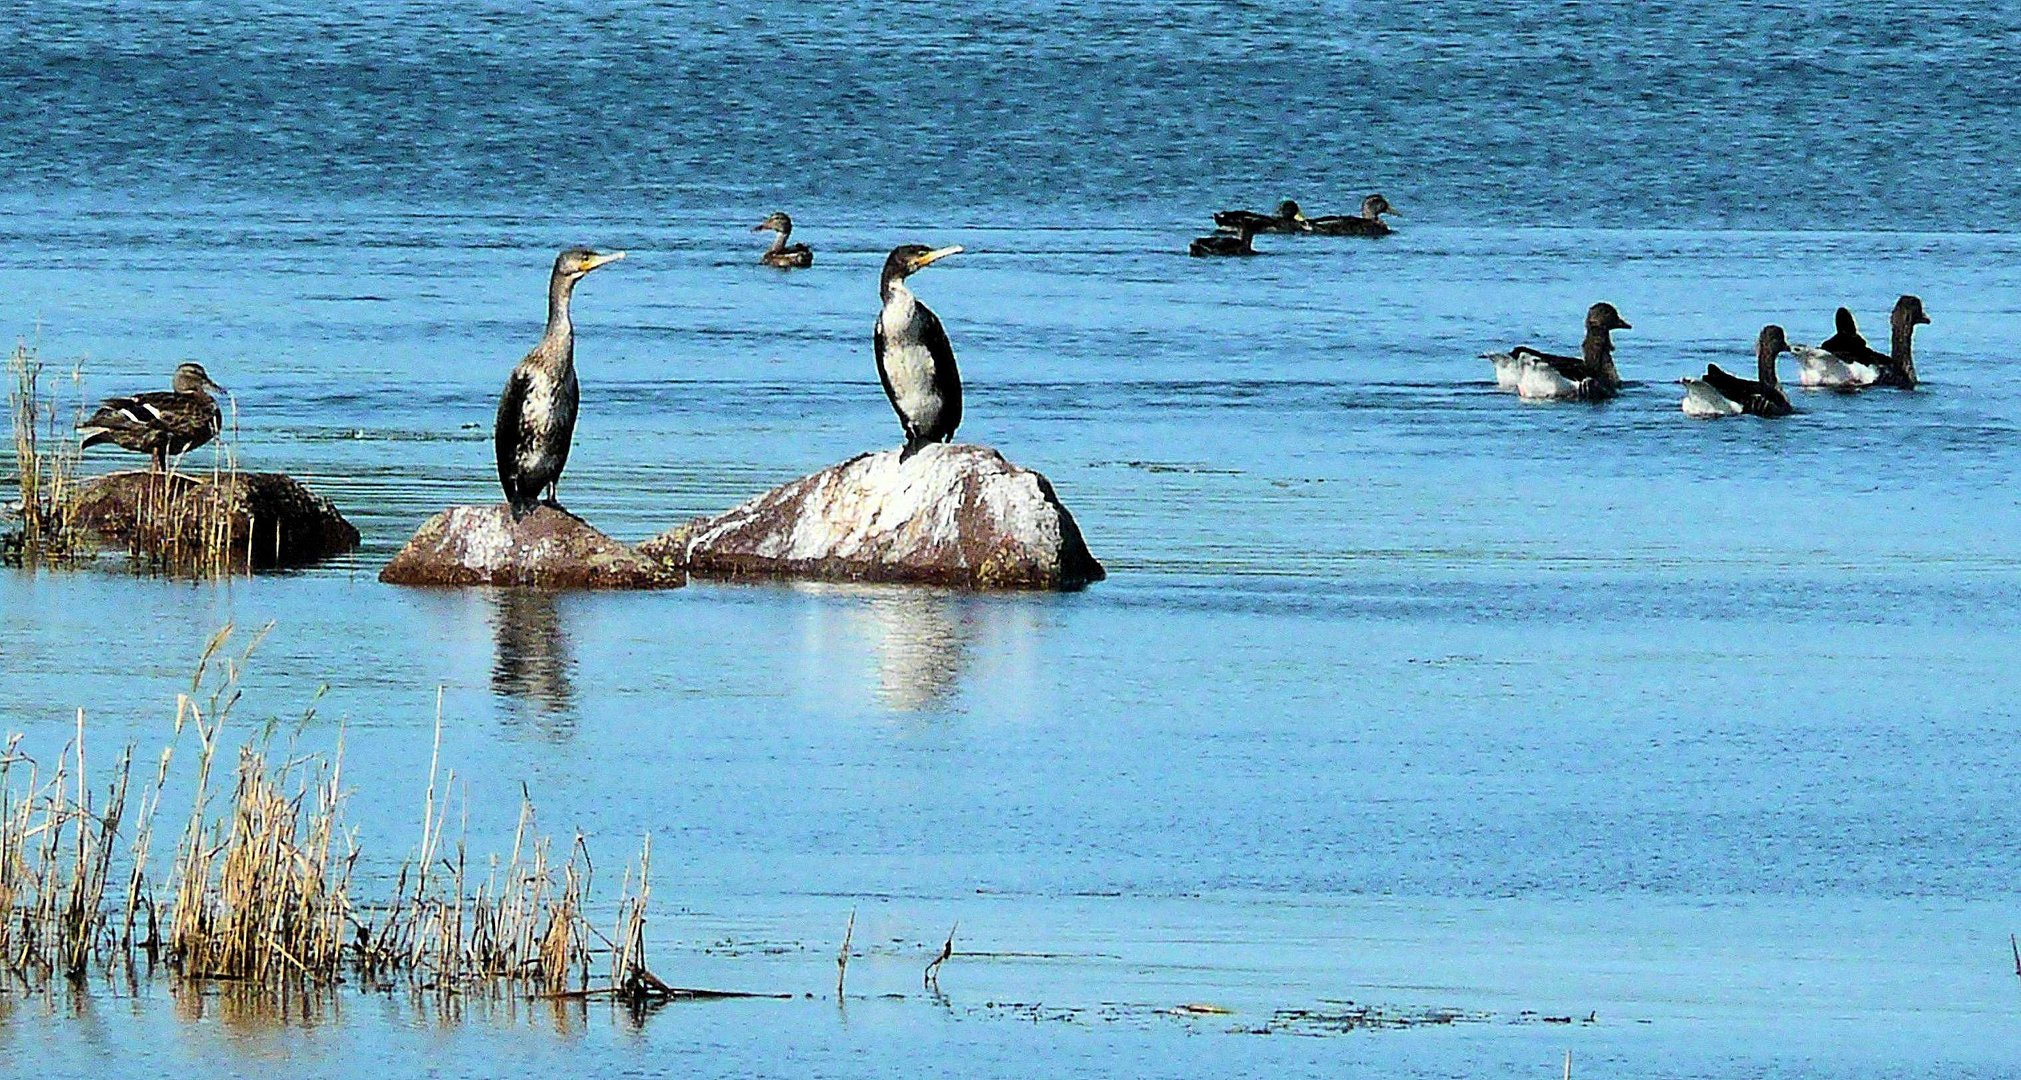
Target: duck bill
{"points": [[606, 258], [935, 256]]}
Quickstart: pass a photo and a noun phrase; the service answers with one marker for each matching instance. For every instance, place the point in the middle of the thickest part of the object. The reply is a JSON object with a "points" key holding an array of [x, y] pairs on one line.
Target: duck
{"points": [[781, 254], [915, 361], [1288, 219], [1367, 223], [1590, 376], [536, 412], [1720, 393], [1242, 242], [1845, 361], [160, 423]]}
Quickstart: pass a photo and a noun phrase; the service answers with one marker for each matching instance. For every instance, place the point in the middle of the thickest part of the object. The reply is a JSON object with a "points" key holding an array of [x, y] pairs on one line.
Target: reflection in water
{"points": [[922, 641], [533, 660]]}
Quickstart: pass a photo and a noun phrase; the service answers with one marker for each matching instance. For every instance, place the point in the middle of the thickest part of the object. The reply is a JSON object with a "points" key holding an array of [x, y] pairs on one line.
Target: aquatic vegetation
{"points": [[260, 889], [45, 460]]}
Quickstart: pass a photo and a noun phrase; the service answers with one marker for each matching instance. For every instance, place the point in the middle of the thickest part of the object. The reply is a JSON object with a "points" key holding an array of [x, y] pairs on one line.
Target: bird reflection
{"points": [[922, 642], [533, 661]]}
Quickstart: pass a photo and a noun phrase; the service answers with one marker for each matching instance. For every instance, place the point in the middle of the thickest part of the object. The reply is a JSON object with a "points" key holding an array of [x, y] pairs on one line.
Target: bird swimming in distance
{"points": [[1242, 242], [1367, 223], [1845, 361], [1590, 376], [1722, 394], [915, 362], [1287, 219], [536, 413], [780, 254], [160, 423]]}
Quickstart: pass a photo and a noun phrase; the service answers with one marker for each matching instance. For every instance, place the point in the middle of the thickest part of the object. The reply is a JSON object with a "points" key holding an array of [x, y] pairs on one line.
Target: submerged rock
{"points": [[550, 547], [958, 516], [261, 520]]}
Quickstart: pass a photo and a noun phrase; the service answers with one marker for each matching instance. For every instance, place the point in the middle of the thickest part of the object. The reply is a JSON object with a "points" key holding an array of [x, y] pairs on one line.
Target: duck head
{"points": [[1909, 311], [1375, 206], [1602, 318], [1288, 211], [191, 379], [776, 221], [1771, 344]]}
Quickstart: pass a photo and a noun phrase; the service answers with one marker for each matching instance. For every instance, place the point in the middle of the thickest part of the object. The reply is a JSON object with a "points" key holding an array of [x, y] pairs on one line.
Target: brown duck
{"points": [[781, 254], [160, 423]]}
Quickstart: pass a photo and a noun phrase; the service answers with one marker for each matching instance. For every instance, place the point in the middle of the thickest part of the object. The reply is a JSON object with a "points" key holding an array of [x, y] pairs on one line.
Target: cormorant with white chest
{"points": [[536, 414], [914, 359]]}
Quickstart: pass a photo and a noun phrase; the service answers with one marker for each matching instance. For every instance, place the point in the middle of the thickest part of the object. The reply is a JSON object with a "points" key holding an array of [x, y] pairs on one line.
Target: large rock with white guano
{"points": [[550, 548], [957, 516], [226, 520]]}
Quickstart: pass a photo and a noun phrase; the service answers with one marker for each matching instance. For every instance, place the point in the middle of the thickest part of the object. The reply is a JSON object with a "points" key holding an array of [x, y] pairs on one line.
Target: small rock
{"points": [[550, 548], [957, 516], [263, 520]]}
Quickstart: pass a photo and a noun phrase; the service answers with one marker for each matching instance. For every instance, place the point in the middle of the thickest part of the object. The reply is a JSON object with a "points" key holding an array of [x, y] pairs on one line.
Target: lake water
{"points": [[1400, 691]]}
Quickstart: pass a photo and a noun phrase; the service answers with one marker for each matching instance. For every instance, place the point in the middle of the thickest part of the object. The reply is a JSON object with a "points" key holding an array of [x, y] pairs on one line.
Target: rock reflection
{"points": [[922, 641], [534, 660]]}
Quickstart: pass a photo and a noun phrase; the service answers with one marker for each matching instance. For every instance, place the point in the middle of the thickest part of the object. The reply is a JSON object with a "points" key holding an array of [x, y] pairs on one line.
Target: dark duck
{"points": [[781, 254], [915, 362], [1367, 223], [1287, 219], [536, 414], [1845, 361], [1241, 242], [1590, 376], [1721, 393], [160, 423]]}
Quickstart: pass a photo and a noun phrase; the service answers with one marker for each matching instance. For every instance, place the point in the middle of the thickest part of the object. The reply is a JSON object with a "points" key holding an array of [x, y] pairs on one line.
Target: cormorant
{"points": [[780, 254], [1367, 223], [1588, 376], [1287, 219], [1845, 360], [536, 414], [914, 360], [1241, 243], [160, 422], [1724, 394]]}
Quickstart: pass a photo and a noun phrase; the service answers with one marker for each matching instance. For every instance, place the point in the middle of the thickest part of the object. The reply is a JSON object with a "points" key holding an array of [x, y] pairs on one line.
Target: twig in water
{"points": [[2016, 946], [932, 976], [842, 958], [1568, 1065]]}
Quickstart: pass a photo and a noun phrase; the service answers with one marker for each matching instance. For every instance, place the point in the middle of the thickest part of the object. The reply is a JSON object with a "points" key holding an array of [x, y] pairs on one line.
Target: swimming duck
{"points": [[536, 413], [1845, 361], [796, 256], [1367, 223], [1724, 394], [1589, 376], [1241, 243], [1288, 219], [160, 422], [915, 361]]}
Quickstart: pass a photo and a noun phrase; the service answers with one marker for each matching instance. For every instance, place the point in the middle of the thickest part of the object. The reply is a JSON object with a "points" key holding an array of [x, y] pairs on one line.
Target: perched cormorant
{"points": [[160, 422], [914, 360], [536, 414], [1724, 394], [780, 254], [1241, 243], [1845, 361], [1287, 219], [1588, 376], [1367, 223]]}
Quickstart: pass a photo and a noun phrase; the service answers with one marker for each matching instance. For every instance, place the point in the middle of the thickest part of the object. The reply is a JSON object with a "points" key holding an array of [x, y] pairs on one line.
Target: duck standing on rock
{"points": [[1724, 394], [1367, 223], [915, 362], [1590, 376], [536, 414], [1845, 361], [780, 254], [1288, 219], [1241, 243], [160, 422]]}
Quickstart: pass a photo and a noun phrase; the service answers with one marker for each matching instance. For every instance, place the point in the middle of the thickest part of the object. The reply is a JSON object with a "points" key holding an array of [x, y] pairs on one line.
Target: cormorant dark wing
{"points": [[1846, 344], [946, 378], [506, 433], [1571, 367], [1730, 386]]}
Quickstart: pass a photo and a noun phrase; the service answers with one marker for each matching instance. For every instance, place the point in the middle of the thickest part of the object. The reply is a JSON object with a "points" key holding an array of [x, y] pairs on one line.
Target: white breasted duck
{"points": [[1721, 393], [1590, 376], [1845, 361]]}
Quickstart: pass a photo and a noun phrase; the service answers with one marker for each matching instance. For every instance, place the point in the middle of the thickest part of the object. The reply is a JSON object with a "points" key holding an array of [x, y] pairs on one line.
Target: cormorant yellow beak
{"points": [[595, 261], [935, 256]]}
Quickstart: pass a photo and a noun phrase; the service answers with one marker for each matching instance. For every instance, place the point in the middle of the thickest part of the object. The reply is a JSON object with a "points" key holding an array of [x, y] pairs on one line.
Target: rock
{"points": [[261, 520], [958, 516], [550, 547]]}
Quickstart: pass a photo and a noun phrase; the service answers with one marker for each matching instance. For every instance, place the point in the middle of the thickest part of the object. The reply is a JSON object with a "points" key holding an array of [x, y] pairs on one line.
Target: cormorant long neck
{"points": [[1598, 352], [892, 284], [1904, 326], [560, 331]]}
